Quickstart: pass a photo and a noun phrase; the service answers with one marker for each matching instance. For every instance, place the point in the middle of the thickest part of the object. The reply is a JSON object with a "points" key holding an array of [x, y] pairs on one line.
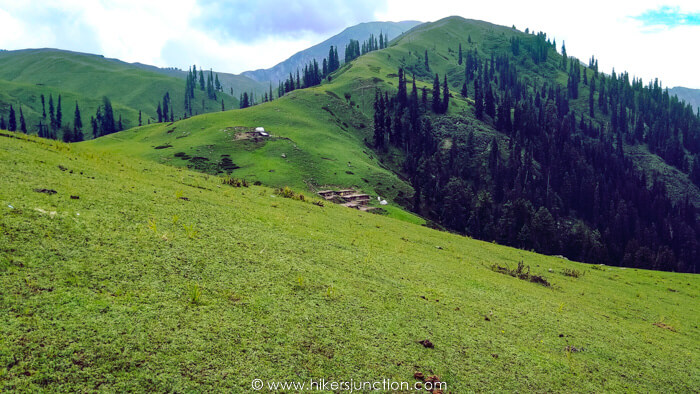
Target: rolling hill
{"points": [[317, 142], [86, 78], [358, 32], [119, 274], [329, 129]]}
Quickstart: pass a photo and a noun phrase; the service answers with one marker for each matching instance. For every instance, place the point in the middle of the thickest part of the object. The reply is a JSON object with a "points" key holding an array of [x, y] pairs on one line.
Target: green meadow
{"points": [[123, 274]]}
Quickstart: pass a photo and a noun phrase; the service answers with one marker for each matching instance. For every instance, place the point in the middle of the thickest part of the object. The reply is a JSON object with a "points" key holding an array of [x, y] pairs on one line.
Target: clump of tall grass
{"points": [[190, 231], [572, 272], [521, 272], [235, 182], [194, 294]]}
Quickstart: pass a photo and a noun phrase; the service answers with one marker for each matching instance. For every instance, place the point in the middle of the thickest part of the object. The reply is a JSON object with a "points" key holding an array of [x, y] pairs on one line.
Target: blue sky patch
{"points": [[669, 17]]}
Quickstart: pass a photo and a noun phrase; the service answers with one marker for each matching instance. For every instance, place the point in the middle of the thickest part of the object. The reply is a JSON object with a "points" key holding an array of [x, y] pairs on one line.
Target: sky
{"points": [[647, 38]]}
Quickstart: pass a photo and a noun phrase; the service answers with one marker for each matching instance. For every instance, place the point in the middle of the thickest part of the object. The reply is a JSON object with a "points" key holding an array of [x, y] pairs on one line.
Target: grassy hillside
{"points": [[360, 32], [329, 145], [139, 276], [442, 39], [317, 141], [87, 78], [323, 129]]}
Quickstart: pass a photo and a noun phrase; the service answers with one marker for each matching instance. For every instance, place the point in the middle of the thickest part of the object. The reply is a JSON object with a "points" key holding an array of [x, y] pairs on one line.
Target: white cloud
{"points": [[170, 33]]}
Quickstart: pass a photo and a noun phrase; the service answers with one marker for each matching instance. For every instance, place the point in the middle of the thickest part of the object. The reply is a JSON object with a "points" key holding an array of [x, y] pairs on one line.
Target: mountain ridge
{"points": [[319, 51]]}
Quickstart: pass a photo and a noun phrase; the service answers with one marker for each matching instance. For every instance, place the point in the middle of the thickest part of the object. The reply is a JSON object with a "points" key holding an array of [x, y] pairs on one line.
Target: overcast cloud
{"points": [[648, 38]]}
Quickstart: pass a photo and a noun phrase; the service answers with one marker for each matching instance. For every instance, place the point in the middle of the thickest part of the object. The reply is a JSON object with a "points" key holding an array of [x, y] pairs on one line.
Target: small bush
{"points": [[286, 192], [521, 272], [235, 182], [572, 272]]}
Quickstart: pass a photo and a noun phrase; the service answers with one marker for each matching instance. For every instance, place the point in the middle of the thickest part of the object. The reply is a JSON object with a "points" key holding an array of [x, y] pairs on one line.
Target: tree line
{"points": [[51, 123], [553, 180]]}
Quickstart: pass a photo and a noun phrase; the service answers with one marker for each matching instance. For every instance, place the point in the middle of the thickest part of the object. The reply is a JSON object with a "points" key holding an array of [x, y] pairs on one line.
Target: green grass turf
{"points": [[98, 295]]}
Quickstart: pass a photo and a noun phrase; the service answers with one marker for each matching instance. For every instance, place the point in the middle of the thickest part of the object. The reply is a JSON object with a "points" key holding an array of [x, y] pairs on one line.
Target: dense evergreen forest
{"points": [[553, 180]]}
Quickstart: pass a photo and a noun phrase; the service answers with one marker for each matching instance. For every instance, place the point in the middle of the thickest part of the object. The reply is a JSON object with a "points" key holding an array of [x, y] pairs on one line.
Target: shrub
{"points": [[235, 182], [521, 272], [572, 272], [286, 192]]}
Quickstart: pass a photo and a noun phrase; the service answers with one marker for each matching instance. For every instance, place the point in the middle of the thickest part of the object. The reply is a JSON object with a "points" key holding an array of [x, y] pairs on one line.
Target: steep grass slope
{"points": [[441, 40], [87, 78], [154, 278], [317, 142]]}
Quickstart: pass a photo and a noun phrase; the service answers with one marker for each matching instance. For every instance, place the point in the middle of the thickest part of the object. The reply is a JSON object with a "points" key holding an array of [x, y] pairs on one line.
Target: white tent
{"points": [[260, 129]]}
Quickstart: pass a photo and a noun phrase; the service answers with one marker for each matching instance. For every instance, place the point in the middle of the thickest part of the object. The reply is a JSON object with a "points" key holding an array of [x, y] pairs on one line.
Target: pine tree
{"points": [[211, 94], [465, 90], [77, 125], [159, 111], [67, 135], [378, 121], [43, 107], [95, 127], [22, 124], [401, 96], [12, 123], [3, 126], [107, 126], [59, 113], [478, 100], [489, 102], [52, 114], [140, 123], [166, 104], [460, 54], [120, 126], [695, 171], [591, 102], [427, 65], [445, 96], [201, 80], [437, 103], [564, 60], [222, 105]]}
